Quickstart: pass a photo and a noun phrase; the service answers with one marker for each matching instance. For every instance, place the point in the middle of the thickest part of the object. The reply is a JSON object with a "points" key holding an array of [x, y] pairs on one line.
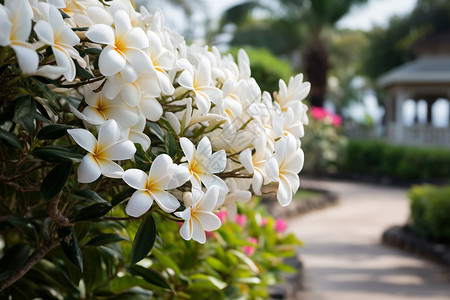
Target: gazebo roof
{"points": [[427, 70]]}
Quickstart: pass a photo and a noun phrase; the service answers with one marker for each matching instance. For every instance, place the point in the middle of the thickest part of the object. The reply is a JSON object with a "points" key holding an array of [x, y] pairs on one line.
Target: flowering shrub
{"points": [[108, 116], [324, 144]]}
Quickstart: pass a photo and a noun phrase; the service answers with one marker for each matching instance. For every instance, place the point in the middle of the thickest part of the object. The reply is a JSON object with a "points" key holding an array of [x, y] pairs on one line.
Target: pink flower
{"points": [[241, 220], [249, 250], [222, 216], [337, 121], [280, 225], [264, 222], [318, 113]]}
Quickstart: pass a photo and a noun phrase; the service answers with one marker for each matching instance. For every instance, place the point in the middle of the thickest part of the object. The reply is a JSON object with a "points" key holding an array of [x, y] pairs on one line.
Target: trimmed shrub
{"points": [[398, 162], [430, 212]]}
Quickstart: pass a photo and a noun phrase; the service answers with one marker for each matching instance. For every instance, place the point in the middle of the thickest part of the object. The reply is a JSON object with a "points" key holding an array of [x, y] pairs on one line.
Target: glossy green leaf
{"points": [[142, 159], [144, 239], [93, 211], [166, 260], [105, 239], [69, 244], [89, 195], [95, 51], [149, 275], [56, 154], [13, 259], [171, 145], [27, 226], [247, 260], [216, 282], [10, 139], [216, 264], [156, 130], [126, 193], [137, 294], [25, 109], [81, 72], [55, 180], [126, 282], [53, 131]]}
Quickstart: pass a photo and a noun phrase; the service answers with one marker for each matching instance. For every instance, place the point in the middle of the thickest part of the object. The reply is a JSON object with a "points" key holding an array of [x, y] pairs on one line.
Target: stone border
{"points": [[297, 208], [293, 282], [402, 237]]}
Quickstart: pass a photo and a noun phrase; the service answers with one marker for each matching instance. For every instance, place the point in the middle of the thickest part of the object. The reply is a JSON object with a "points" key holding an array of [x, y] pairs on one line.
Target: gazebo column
{"points": [[400, 98], [430, 102]]}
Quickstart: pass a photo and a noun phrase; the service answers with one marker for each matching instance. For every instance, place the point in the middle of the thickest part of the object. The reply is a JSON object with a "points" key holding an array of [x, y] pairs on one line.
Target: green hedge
{"points": [[430, 212], [399, 162]]}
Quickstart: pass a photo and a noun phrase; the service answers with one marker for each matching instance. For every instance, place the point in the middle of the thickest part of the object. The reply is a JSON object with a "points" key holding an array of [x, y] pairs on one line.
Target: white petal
{"points": [[130, 94], [88, 170], [119, 151], [50, 71], [245, 157], [204, 147], [166, 201], [124, 115], [108, 134], [138, 59], [178, 176], [198, 233], [63, 59], [160, 166], [136, 38], [27, 57], [151, 109], [272, 170], [186, 231], [165, 83], [140, 138], [186, 80], [173, 121], [129, 74], [112, 86], [101, 33], [83, 138], [217, 162], [203, 73], [208, 220], [284, 193], [139, 203], [92, 116], [212, 93], [203, 102], [122, 23], [44, 32], [6, 26], [188, 148], [257, 182], [209, 200], [110, 61], [212, 180], [110, 168], [135, 178], [185, 214]]}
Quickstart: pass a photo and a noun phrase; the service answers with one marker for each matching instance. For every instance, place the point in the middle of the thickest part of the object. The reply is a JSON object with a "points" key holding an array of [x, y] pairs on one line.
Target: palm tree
{"points": [[302, 24]]}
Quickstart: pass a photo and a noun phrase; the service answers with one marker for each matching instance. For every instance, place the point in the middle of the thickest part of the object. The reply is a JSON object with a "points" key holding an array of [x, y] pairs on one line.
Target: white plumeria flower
{"points": [[256, 164], [163, 175], [294, 92], [100, 109], [101, 154], [284, 167], [199, 81], [15, 24], [136, 134], [202, 163], [290, 122], [61, 38], [229, 202], [124, 45], [198, 216]]}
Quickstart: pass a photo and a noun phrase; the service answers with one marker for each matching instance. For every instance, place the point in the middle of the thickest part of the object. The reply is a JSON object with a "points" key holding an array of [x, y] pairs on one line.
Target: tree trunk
{"points": [[315, 58]]}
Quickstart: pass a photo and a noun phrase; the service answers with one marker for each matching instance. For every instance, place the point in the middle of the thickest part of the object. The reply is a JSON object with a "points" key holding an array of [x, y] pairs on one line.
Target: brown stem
{"points": [[55, 214], [37, 256], [75, 85]]}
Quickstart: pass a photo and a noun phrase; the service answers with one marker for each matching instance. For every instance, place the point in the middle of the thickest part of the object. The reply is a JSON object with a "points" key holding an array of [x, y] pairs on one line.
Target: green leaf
{"points": [[144, 239], [122, 196], [133, 294], [93, 211], [216, 264], [24, 113], [171, 144], [69, 244], [156, 130], [13, 259], [216, 282], [143, 161], [57, 154], [53, 131], [105, 239], [88, 194], [166, 260], [10, 139], [55, 180], [82, 73], [126, 282], [149, 275], [27, 226], [248, 261], [95, 51], [80, 29]]}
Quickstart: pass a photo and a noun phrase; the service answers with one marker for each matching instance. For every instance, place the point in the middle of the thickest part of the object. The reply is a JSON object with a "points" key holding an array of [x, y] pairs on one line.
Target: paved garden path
{"points": [[343, 257]]}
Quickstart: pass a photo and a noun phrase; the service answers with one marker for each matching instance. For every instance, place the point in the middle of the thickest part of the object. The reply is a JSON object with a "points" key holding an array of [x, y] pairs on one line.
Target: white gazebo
{"points": [[424, 81]]}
